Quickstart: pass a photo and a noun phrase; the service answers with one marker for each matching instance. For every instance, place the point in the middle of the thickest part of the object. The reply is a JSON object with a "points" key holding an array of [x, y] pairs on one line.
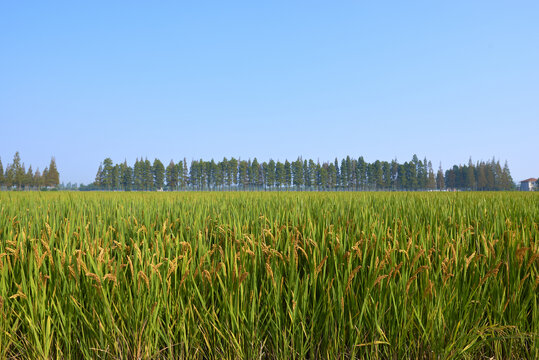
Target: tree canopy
{"points": [[16, 176], [302, 174]]}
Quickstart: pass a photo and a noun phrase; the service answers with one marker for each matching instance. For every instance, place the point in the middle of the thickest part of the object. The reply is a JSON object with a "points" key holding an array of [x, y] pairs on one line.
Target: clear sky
{"points": [[269, 79]]}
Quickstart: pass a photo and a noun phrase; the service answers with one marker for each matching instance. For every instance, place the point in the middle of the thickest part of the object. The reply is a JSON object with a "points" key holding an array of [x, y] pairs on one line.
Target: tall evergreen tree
{"points": [[279, 174], [470, 176], [54, 175], [332, 176], [171, 174], [233, 170], [116, 178], [324, 176], [507, 179], [270, 174], [287, 174], [17, 175], [107, 174], [184, 181], [158, 172], [297, 173], [243, 175], [29, 180], [440, 181], [256, 176], [431, 182], [337, 174], [126, 176], [38, 180], [148, 175]]}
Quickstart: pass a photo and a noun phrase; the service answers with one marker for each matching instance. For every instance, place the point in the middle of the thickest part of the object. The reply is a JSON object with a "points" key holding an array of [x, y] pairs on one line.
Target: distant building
{"points": [[528, 184]]}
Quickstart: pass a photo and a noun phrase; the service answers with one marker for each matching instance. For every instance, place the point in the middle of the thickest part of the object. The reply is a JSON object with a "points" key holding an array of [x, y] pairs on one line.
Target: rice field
{"points": [[269, 275]]}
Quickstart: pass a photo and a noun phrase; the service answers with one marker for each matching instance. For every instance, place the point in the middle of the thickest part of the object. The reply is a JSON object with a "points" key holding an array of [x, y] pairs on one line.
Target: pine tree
{"points": [[507, 179], [233, 170], [53, 177], [270, 174], [279, 175], [171, 175], [126, 176], [38, 180], [297, 172], [158, 172], [17, 171], [98, 181], [431, 182], [324, 176], [344, 174], [440, 183], [243, 176], [138, 175], [332, 176], [312, 173], [193, 174], [337, 174], [362, 172], [116, 177], [287, 174], [29, 180], [107, 175], [256, 178], [148, 175], [470, 176]]}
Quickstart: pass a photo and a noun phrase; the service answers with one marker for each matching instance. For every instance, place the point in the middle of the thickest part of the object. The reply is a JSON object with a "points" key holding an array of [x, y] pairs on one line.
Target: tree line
{"points": [[16, 176], [301, 174]]}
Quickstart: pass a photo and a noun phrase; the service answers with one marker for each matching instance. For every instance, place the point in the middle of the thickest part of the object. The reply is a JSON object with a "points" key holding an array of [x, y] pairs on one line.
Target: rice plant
{"points": [[276, 276]]}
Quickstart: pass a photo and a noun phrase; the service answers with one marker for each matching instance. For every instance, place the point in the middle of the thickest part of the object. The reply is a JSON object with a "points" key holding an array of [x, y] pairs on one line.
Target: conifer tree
{"points": [[29, 179], [507, 179], [470, 176], [98, 181], [158, 170], [256, 178], [171, 174], [431, 183], [337, 174], [126, 173], [38, 180], [242, 173], [279, 175], [324, 176], [17, 172], [53, 177], [147, 175], [287, 174], [107, 174], [297, 172], [232, 168], [270, 174], [440, 182]]}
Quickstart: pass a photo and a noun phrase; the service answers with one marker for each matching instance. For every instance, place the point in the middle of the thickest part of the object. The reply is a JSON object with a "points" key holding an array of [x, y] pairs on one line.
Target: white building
{"points": [[528, 184]]}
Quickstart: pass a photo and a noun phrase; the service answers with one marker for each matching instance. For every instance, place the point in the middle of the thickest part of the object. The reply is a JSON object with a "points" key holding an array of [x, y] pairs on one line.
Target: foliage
{"points": [[303, 174], [16, 176], [269, 275]]}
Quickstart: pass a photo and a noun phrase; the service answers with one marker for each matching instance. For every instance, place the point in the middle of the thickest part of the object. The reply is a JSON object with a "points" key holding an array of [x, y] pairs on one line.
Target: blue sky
{"points": [[276, 79]]}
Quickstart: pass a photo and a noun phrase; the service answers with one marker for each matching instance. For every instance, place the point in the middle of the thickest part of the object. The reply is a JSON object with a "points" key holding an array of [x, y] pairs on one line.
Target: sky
{"points": [[82, 81]]}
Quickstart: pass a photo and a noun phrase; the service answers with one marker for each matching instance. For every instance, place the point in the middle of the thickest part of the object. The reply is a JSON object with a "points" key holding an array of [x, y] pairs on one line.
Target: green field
{"points": [[269, 275]]}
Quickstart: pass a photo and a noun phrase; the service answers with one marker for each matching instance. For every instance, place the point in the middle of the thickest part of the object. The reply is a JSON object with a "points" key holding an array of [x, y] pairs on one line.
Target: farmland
{"points": [[269, 275]]}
